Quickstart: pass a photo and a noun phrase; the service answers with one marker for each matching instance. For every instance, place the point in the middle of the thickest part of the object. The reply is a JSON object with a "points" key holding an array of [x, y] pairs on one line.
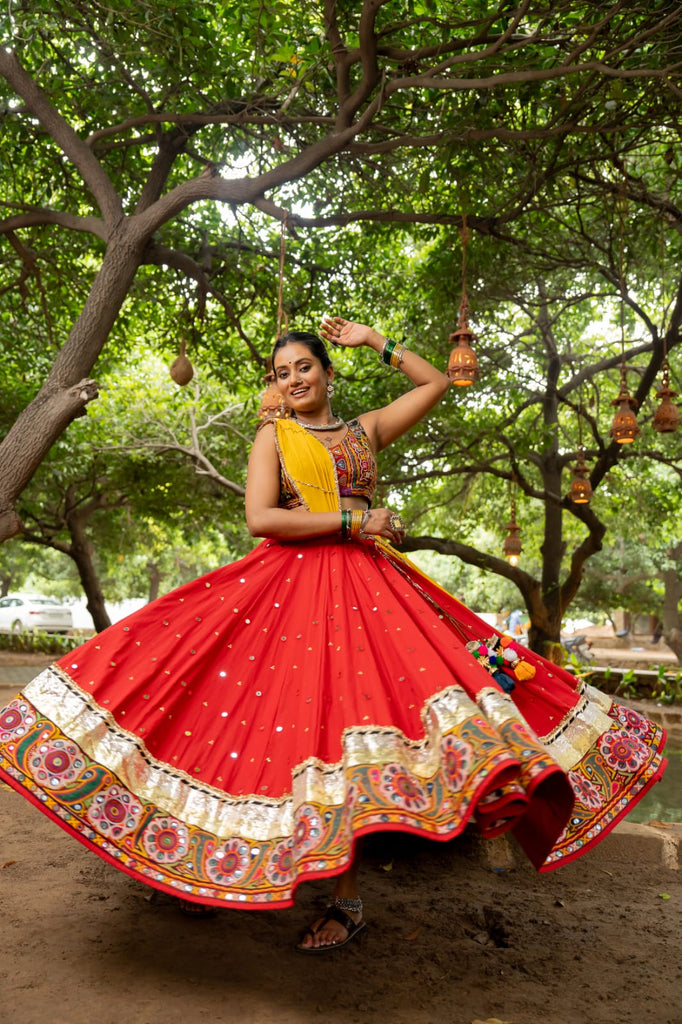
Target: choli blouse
{"points": [[356, 469]]}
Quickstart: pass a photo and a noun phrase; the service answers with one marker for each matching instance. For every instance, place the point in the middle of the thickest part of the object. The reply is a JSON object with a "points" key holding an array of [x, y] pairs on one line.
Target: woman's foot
{"points": [[331, 931]]}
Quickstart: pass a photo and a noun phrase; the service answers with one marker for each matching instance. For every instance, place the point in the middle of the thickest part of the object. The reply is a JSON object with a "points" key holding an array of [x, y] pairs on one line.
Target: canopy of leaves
{"points": [[368, 131]]}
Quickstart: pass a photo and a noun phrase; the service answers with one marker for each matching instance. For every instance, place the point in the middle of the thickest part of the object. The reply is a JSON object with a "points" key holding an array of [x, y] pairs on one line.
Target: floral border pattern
{"points": [[479, 772], [614, 773], [90, 801]]}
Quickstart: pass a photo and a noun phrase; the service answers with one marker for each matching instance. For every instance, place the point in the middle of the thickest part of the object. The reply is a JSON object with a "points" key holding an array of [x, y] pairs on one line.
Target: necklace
{"points": [[322, 426]]}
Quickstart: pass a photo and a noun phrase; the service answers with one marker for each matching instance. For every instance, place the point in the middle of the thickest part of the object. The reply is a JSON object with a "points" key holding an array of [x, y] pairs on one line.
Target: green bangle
{"points": [[387, 351], [345, 523]]}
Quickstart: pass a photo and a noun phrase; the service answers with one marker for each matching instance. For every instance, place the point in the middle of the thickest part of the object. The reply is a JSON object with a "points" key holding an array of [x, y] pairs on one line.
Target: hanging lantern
{"points": [[581, 489], [181, 370], [272, 404], [624, 426], [463, 364], [667, 415], [512, 544]]}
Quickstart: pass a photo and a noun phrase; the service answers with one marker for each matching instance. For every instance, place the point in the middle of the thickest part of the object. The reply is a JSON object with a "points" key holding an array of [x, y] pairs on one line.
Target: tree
{"points": [[120, 515], [133, 145], [530, 436], [639, 569]]}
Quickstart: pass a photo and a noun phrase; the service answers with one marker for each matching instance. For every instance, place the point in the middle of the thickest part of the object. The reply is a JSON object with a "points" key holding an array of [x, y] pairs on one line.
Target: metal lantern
{"points": [[463, 364], [624, 426], [667, 415], [580, 491]]}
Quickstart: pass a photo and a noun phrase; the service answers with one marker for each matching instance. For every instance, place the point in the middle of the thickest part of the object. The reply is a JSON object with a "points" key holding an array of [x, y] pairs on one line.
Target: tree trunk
{"points": [[674, 641], [81, 553], [547, 644], [546, 611], [67, 389], [672, 620], [155, 576]]}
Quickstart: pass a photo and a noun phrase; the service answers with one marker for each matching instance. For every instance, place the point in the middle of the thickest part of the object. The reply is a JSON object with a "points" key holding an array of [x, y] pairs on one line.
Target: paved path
{"points": [[13, 677]]}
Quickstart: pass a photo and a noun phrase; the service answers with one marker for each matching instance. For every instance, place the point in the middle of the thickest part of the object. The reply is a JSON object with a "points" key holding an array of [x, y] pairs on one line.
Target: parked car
{"points": [[21, 613]]}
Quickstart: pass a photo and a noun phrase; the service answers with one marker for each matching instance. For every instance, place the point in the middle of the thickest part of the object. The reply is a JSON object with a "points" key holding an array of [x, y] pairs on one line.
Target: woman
{"points": [[304, 375], [242, 733]]}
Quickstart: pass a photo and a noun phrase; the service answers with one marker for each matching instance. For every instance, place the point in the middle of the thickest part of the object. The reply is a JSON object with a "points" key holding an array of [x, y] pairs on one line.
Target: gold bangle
{"points": [[356, 518], [397, 356]]}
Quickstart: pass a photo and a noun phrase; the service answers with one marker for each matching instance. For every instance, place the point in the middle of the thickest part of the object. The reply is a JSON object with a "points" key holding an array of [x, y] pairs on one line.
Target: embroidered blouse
{"points": [[356, 468]]}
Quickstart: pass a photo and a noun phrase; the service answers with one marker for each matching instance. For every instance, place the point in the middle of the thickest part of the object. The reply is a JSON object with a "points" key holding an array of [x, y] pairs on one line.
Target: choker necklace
{"points": [[322, 426]]}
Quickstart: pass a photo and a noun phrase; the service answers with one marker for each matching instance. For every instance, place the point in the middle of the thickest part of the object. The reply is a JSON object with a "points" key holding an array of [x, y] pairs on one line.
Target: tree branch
{"points": [[38, 217], [472, 556], [38, 104]]}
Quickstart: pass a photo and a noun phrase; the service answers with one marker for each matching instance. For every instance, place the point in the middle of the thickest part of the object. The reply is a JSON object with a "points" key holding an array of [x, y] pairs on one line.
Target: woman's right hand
{"points": [[348, 334], [383, 522]]}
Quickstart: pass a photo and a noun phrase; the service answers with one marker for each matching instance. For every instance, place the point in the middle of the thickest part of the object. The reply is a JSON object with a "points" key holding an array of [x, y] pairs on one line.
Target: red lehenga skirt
{"points": [[236, 736]]}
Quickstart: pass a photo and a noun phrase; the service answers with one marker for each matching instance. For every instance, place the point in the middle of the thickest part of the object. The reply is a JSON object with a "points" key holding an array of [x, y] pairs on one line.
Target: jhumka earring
{"points": [[330, 389]]}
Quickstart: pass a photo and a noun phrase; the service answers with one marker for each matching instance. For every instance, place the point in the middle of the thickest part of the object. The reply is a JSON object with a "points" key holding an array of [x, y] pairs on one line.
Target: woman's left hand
{"points": [[382, 522], [338, 331]]}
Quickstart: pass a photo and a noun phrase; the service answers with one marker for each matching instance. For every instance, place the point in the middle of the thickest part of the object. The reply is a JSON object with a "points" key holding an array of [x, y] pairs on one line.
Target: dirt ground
{"points": [[448, 940]]}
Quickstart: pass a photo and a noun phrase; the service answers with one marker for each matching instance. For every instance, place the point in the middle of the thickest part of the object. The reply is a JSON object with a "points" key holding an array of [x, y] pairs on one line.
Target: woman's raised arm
{"points": [[384, 425]]}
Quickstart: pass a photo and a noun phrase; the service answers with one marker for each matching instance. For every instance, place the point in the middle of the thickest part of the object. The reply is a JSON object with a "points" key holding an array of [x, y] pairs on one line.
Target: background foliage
{"points": [[151, 154]]}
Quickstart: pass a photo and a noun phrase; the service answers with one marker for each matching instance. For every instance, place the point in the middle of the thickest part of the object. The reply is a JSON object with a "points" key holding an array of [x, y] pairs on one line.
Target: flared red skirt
{"points": [[235, 737]]}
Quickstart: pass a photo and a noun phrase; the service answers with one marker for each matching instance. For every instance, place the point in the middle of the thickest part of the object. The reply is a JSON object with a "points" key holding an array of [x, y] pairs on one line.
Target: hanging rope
{"points": [[281, 315], [464, 304], [624, 426], [666, 417], [272, 404], [622, 200]]}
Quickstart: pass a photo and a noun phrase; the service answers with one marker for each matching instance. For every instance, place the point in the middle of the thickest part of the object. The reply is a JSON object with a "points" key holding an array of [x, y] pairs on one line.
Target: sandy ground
{"points": [[448, 940], [452, 938]]}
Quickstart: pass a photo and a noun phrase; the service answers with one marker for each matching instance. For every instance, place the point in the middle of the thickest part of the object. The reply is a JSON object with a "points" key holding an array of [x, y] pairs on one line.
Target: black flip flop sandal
{"points": [[333, 914]]}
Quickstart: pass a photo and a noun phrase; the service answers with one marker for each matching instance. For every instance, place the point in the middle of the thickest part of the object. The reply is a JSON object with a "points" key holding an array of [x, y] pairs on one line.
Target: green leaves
{"points": [[464, 111]]}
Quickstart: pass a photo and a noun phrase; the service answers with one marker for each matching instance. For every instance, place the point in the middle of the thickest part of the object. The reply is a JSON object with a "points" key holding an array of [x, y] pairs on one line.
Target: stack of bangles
{"points": [[352, 523], [392, 353]]}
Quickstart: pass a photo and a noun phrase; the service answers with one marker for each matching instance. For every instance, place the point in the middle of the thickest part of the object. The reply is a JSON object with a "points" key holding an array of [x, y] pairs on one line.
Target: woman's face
{"points": [[301, 378]]}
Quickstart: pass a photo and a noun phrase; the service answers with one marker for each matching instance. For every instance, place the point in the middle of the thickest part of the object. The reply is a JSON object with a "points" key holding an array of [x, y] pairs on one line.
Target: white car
{"points": [[20, 613]]}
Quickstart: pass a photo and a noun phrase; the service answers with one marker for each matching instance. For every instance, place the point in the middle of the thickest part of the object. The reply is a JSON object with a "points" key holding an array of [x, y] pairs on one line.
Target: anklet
{"points": [[351, 905]]}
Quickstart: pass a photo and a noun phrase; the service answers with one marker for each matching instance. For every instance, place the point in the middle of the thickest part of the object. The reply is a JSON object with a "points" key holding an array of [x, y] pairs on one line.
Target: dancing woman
{"points": [[242, 733], [304, 375]]}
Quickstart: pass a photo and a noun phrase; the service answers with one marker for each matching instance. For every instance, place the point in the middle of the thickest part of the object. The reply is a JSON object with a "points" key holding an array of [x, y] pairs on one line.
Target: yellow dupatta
{"points": [[309, 466]]}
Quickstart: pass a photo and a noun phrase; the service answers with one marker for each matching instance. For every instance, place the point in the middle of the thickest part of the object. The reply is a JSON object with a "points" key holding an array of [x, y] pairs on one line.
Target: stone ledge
{"points": [[657, 845], [630, 843]]}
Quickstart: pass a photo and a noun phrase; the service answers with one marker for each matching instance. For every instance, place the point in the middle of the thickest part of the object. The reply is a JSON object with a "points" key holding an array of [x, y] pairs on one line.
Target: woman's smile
{"points": [[302, 380]]}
